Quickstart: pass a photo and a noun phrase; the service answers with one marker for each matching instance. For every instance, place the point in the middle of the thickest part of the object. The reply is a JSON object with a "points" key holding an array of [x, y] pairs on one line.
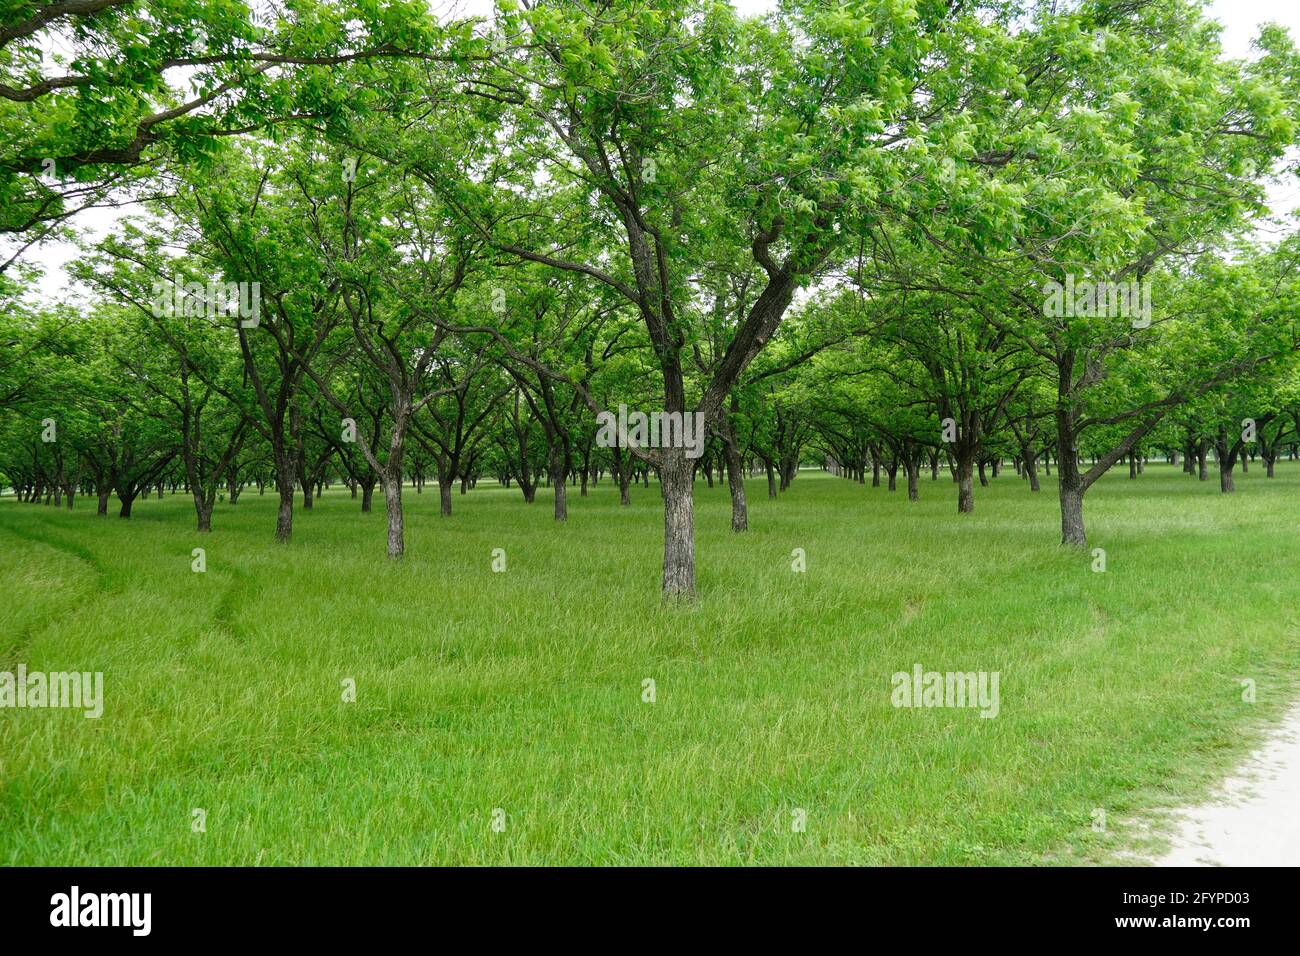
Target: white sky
{"points": [[1241, 20]]}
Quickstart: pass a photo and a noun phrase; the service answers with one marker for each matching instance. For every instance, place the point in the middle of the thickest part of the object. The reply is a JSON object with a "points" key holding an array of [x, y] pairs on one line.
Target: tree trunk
{"points": [[679, 525], [284, 483], [1072, 532], [1226, 461], [203, 509], [444, 495], [558, 484], [965, 486], [736, 482], [1070, 483], [396, 522], [1029, 467], [1225, 478]]}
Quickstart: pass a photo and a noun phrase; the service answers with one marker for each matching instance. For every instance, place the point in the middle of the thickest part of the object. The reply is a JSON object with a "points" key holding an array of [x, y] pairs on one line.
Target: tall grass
{"points": [[523, 690]]}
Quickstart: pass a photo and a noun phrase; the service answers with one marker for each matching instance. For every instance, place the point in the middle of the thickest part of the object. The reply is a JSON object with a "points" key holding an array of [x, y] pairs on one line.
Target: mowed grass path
{"points": [[523, 690]]}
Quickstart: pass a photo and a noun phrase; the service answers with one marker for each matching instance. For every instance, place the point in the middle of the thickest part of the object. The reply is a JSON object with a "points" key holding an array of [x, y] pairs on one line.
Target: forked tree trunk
{"points": [[1030, 466], [735, 473]]}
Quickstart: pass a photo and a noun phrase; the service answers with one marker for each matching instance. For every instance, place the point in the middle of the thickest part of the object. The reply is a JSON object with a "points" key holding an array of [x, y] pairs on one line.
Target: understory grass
{"points": [[523, 691]]}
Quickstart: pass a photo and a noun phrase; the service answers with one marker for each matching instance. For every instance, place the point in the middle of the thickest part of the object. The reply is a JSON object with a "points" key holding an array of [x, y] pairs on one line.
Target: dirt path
{"points": [[1255, 819]]}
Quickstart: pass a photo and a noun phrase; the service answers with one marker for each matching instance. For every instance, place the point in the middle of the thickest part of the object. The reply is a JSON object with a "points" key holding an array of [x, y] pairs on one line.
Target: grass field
{"points": [[522, 690]]}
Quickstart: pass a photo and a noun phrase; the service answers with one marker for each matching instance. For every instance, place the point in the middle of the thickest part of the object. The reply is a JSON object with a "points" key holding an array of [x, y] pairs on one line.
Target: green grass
{"points": [[523, 690]]}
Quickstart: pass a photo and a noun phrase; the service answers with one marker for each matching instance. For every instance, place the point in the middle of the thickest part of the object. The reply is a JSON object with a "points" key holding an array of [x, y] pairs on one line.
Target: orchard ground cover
{"points": [[504, 716]]}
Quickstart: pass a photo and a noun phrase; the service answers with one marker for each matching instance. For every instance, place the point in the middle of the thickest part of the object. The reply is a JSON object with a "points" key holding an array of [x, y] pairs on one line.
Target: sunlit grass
{"points": [[523, 690]]}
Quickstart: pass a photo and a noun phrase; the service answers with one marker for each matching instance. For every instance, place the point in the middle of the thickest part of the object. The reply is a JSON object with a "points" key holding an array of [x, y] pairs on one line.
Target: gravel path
{"points": [[1255, 819]]}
